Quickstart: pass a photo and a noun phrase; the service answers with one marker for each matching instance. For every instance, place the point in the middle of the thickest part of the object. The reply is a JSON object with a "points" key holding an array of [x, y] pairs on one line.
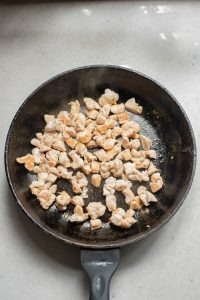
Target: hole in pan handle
{"points": [[100, 266]]}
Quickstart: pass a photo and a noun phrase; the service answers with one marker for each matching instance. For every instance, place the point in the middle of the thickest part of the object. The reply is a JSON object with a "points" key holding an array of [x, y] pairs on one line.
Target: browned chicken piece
{"points": [[96, 180], [84, 193], [109, 186], [152, 169], [101, 155], [71, 142], [53, 170], [92, 114], [146, 142], [113, 152], [36, 170], [125, 142], [81, 179], [95, 167], [104, 170], [156, 182], [78, 122], [118, 108], [111, 202], [59, 145], [123, 117], [28, 161], [101, 119], [109, 133], [91, 104], [64, 116], [81, 149], [70, 131], [62, 201], [151, 154], [108, 144], [77, 160], [116, 131], [91, 144], [86, 169], [129, 196], [35, 142], [48, 118], [109, 97], [110, 123], [136, 204], [95, 209], [75, 107], [105, 110], [52, 125], [46, 198], [141, 155], [95, 224], [75, 185], [79, 215], [122, 184], [146, 196], [129, 168], [116, 167], [77, 200], [145, 163], [64, 173], [102, 128], [129, 128], [125, 155], [123, 220], [99, 139], [134, 144], [133, 106], [84, 136], [88, 157]]}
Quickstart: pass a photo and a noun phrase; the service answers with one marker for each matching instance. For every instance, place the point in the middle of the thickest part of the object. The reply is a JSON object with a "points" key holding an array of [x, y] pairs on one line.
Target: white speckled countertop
{"points": [[37, 41]]}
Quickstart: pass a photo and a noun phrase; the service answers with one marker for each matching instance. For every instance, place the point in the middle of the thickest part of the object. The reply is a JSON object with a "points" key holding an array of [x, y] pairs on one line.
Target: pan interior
{"points": [[163, 121]]}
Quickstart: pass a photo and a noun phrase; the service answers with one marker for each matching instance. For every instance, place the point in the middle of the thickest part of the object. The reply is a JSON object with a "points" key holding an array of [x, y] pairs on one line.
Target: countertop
{"points": [[40, 40]]}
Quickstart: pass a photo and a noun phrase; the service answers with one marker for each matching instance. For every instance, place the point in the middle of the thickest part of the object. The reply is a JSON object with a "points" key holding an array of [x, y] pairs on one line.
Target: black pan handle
{"points": [[99, 265]]}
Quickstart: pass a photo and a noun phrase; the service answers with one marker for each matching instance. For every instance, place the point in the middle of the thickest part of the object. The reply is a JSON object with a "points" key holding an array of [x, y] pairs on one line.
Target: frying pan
{"points": [[163, 120]]}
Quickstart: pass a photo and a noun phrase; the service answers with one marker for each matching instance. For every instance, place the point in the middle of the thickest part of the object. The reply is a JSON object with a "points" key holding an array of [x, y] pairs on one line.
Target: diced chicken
{"points": [[116, 167], [59, 145], [91, 144], [116, 131], [71, 142], [113, 152], [77, 200], [145, 196], [75, 107], [92, 114], [108, 144], [152, 169], [81, 179], [111, 202], [96, 180], [118, 108], [28, 161], [101, 155], [48, 118], [64, 160], [95, 209], [46, 198], [129, 168], [88, 157], [109, 133], [35, 142], [78, 215], [104, 170], [95, 224], [122, 219], [64, 116], [136, 204], [84, 193], [75, 185], [64, 173], [52, 125], [62, 200], [134, 144], [138, 154], [105, 110], [122, 184], [77, 160], [146, 142], [151, 154], [109, 186], [91, 104], [123, 117], [125, 142], [84, 136], [133, 106], [42, 176], [70, 131], [81, 149], [129, 128], [109, 97], [95, 167], [101, 119], [129, 196], [86, 169], [156, 182]]}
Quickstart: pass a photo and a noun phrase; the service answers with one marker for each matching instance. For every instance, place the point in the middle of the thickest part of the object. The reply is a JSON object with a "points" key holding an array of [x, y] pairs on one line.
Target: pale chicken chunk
{"points": [[123, 219], [118, 108], [101, 155], [38, 156], [28, 161], [64, 159], [129, 128], [136, 204], [146, 196], [109, 97], [108, 144], [78, 122], [46, 198], [105, 110], [123, 117], [104, 170], [75, 107], [101, 119], [129, 196], [109, 186], [92, 114], [116, 167], [122, 184], [156, 182], [133, 106], [71, 142], [77, 200], [95, 167], [64, 173], [111, 202], [62, 200], [95, 209], [77, 160], [151, 154], [146, 142], [64, 116], [81, 179], [116, 131], [79, 215], [84, 136], [96, 180], [91, 104], [59, 145], [81, 149], [152, 169], [69, 131], [95, 224], [91, 144]]}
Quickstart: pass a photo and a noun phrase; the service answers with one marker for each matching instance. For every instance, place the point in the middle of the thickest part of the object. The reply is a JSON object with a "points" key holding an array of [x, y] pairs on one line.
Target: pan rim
{"points": [[117, 243]]}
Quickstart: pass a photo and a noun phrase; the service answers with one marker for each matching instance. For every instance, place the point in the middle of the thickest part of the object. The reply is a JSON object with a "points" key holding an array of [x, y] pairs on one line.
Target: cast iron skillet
{"points": [[163, 120]]}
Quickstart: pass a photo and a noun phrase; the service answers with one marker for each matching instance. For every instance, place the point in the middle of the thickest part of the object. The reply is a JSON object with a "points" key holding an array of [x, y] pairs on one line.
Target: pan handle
{"points": [[99, 265]]}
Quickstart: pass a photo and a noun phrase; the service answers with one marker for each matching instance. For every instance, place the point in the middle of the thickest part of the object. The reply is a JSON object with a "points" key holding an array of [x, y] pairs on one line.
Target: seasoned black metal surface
{"points": [[163, 121]]}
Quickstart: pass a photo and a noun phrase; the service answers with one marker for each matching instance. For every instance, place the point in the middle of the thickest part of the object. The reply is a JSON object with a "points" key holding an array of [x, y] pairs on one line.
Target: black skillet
{"points": [[163, 120]]}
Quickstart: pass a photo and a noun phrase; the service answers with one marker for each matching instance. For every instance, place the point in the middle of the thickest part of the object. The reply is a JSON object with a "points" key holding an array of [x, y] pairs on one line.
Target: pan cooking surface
{"points": [[163, 121]]}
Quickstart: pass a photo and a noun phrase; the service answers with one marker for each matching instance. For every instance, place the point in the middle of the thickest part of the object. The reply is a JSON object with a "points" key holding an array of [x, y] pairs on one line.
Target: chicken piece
{"points": [[71, 142], [105, 110], [52, 178], [62, 200], [95, 209], [36, 187], [113, 117], [81, 179], [114, 151], [78, 215], [46, 198], [84, 193], [44, 148], [81, 149], [129, 168], [95, 167], [70, 131], [64, 160], [111, 202], [109, 97], [130, 128], [145, 163], [145, 196], [48, 118], [28, 161], [96, 180], [152, 169], [129, 196], [52, 125], [123, 117], [139, 176], [133, 106], [125, 142], [156, 182], [116, 131], [95, 224], [122, 219], [88, 157], [75, 186], [109, 186], [78, 122], [48, 139], [36, 169], [102, 128], [151, 154], [99, 139], [53, 170], [84, 136], [104, 170], [101, 119], [35, 142], [108, 143], [136, 204], [116, 167], [129, 213], [86, 169], [116, 219], [127, 222], [77, 160], [77, 200], [42, 176], [53, 156], [146, 142], [59, 145], [110, 123], [91, 144], [122, 184], [139, 155], [64, 172], [118, 108], [134, 144], [75, 107], [91, 104], [109, 133], [101, 155], [92, 114], [64, 116]]}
